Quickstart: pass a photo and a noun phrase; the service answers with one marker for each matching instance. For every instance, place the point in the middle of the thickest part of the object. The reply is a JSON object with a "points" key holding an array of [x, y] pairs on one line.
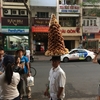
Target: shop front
{"points": [[91, 37], [40, 34], [72, 36], [15, 34]]}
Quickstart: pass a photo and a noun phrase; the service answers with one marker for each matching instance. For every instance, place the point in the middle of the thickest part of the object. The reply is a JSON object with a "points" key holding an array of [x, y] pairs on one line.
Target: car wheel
{"points": [[65, 59], [88, 58]]}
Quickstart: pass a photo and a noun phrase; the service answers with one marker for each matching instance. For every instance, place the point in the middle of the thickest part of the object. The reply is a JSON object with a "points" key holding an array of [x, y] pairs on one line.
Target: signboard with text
{"points": [[40, 21], [71, 31], [40, 29], [69, 9], [12, 21], [13, 30], [90, 29]]}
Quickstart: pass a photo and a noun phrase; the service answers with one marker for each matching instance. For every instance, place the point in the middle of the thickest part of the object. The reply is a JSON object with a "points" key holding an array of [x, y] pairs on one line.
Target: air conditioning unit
{"points": [[15, 12], [7, 11], [23, 12]]}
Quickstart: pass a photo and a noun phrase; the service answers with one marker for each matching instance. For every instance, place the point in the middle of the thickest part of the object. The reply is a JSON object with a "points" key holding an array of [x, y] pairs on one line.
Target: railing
{"points": [[16, 1]]}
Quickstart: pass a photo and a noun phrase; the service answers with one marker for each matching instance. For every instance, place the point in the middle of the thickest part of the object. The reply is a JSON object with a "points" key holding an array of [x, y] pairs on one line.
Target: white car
{"points": [[78, 54]]}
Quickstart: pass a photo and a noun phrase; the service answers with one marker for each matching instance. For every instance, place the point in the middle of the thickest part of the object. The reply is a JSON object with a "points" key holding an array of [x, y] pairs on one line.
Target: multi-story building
{"points": [[41, 13], [69, 14], [15, 27], [91, 25]]}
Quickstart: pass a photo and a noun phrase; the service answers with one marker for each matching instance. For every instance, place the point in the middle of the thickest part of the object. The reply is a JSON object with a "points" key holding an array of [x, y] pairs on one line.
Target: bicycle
{"points": [[33, 71]]}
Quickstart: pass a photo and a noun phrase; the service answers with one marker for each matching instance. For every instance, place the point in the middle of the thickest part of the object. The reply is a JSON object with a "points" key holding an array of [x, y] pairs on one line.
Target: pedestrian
{"points": [[1, 67], [25, 61], [9, 80], [1, 59], [19, 67], [57, 80]]}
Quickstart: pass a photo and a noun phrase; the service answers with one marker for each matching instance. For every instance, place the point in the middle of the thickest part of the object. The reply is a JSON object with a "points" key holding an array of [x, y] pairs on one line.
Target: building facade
{"points": [[69, 17], [41, 13], [91, 25], [14, 25], [69, 13]]}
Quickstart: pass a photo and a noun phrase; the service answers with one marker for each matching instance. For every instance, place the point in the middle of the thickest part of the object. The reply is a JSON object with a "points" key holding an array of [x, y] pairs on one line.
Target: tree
{"points": [[95, 10], [30, 25]]}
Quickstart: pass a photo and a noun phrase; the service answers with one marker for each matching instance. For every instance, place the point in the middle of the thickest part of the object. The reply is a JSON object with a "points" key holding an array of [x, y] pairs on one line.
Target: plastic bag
{"points": [[30, 81]]}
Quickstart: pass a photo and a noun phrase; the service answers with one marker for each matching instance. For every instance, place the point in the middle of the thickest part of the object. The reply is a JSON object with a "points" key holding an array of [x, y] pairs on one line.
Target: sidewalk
{"points": [[41, 58], [40, 96]]}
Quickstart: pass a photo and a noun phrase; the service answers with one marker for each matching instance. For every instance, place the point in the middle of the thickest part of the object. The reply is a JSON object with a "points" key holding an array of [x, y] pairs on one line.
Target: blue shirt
{"points": [[25, 60]]}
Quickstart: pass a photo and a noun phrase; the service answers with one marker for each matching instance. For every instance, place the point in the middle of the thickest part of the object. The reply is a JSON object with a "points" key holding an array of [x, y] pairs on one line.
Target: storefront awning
{"points": [[42, 29]]}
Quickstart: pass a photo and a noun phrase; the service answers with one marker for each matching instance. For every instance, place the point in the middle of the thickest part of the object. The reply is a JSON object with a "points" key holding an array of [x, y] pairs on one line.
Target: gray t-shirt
{"points": [[1, 67]]}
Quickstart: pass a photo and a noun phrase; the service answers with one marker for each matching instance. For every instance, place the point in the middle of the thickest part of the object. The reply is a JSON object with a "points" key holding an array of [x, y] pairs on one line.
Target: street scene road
{"points": [[82, 80]]}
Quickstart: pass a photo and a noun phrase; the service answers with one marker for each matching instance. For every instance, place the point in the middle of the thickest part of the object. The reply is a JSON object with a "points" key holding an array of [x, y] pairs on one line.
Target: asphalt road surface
{"points": [[82, 80]]}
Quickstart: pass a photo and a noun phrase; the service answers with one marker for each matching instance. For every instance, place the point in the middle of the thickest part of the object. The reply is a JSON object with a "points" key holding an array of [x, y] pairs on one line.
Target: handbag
{"points": [[30, 81]]}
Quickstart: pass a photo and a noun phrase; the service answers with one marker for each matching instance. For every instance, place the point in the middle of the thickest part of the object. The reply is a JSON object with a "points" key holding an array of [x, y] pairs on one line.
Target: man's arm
{"points": [[95, 58], [59, 92]]}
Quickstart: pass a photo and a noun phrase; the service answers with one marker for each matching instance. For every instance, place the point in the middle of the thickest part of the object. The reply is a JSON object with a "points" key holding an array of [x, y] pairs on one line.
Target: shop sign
{"points": [[69, 8], [13, 30], [70, 30], [41, 21], [12, 21], [40, 29], [90, 29]]}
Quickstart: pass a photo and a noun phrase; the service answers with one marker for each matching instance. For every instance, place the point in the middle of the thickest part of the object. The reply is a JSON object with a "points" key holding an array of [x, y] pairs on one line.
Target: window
{"points": [[90, 22], [68, 21], [16, 42], [42, 14], [87, 22]]}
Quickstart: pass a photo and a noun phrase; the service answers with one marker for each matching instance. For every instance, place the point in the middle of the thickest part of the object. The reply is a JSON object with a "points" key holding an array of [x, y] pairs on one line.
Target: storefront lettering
{"points": [[15, 22], [69, 7], [16, 30], [77, 30]]}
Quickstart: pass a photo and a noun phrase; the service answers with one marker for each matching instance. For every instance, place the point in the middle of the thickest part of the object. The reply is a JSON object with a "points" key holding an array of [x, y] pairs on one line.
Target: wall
{"points": [[42, 9], [47, 3]]}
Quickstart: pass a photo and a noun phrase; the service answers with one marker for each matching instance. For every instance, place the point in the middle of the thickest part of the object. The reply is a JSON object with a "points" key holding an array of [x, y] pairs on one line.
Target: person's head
{"points": [[17, 60], [1, 52], [20, 52], [8, 63], [55, 61]]}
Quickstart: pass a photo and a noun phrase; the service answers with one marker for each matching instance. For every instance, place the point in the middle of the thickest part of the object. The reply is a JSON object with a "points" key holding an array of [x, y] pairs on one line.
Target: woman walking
{"points": [[9, 80]]}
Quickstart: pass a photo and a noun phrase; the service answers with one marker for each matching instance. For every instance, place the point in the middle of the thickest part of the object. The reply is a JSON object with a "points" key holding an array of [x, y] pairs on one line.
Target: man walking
{"points": [[26, 73], [57, 81]]}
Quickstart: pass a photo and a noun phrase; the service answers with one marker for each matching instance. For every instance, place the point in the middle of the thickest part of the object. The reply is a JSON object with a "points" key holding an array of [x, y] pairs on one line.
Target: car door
{"points": [[82, 54], [73, 55]]}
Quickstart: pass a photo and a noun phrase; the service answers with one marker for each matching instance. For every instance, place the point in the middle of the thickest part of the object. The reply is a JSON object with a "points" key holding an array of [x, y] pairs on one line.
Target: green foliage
{"points": [[95, 11]]}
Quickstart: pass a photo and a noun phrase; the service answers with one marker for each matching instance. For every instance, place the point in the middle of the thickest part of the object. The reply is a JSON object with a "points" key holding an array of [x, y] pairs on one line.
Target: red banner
{"points": [[40, 29]]}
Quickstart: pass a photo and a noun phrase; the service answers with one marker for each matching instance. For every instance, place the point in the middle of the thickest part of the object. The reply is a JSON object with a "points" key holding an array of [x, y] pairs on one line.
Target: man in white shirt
{"points": [[57, 81]]}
